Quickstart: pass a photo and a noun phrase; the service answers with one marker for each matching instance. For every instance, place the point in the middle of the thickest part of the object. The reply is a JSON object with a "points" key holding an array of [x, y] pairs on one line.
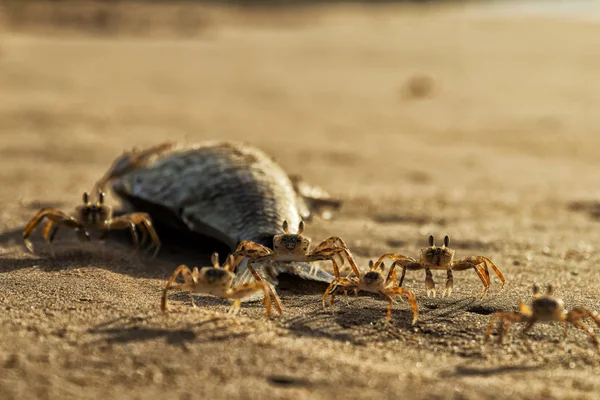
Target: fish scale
{"points": [[234, 189]]}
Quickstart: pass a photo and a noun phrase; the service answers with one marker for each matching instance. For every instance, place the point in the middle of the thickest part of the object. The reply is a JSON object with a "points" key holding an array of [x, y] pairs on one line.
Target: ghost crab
{"points": [[373, 282], [217, 281], [442, 258], [294, 247], [544, 308], [91, 215]]}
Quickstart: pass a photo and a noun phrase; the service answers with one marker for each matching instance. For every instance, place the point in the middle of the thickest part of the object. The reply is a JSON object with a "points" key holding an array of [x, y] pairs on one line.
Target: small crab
{"points": [[91, 216], [217, 281], [373, 282], [442, 258], [294, 247], [544, 308]]}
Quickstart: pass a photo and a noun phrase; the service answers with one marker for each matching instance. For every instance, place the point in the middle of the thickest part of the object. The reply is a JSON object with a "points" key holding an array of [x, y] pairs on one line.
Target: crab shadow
{"points": [[439, 320], [205, 301], [297, 382], [12, 237], [361, 320], [467, 370], [591, 208], [289, 284], [327, 325], [115, 253], [435, 309], [131, 330], [358, 321]]}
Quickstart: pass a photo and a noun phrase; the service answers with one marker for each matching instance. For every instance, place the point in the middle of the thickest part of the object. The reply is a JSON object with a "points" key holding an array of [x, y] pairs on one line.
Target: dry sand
{"points": [[422, 122]]}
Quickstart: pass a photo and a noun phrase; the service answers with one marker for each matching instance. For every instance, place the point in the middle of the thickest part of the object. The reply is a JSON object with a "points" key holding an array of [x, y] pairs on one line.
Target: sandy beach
{"points": [[422, 120]]}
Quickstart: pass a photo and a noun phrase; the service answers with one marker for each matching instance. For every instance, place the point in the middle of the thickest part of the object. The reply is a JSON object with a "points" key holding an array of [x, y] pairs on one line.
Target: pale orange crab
{"points": [[544, 308], [373, 282], [293, 247], [217, 281], [442, 258], [91, 215]]}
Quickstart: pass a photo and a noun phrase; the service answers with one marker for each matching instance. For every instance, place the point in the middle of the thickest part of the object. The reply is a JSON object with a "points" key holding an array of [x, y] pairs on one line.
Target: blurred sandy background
{"points": [[438, 118]]}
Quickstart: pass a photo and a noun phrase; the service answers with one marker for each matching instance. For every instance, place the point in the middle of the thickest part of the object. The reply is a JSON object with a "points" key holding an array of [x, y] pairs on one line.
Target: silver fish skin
{"points": [[227, 190]]}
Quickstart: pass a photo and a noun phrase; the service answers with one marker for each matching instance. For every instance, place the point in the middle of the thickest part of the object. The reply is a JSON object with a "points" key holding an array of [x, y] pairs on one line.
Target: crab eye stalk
{"points": [[431, 241], [300, 228], [100, 198], [214, 259], [370, 263], [230, 263], [536, 289], [549, 290], [286, 227], [86, 198], [446, 241]]}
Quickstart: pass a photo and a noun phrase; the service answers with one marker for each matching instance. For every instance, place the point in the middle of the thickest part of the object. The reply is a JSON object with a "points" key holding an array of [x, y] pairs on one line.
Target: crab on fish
{"points": [[91, 215], [442, 258], [294, 247], [217, 281], [544, 308], [373, 282]]}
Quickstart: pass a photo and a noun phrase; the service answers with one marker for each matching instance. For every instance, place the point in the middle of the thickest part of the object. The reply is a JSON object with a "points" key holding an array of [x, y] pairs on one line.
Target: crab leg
{"points": [[329, 254], [255, 252], [484, 262], [398, 291], [57, 217], [429, 284], [574, 317], [507, 318], [124, 223], [48, 234], [393, 256], [189, 277], [344, 283], [248, 289], [331, 247], [411, 266], [463, 265]]}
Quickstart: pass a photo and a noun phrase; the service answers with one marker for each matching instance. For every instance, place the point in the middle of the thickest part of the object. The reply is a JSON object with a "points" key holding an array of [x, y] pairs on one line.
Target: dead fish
{"points": [[230, 191]]}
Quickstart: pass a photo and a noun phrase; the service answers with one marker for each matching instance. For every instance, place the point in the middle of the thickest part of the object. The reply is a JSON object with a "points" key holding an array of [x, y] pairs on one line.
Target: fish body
{"points": [[226, 190]]}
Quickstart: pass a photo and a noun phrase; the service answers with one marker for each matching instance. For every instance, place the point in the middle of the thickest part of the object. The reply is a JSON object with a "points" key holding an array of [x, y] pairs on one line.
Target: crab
{"points": [[544, 308], [217, 281], [294, 247], [442, 258], [373, 282], [91, 216]]}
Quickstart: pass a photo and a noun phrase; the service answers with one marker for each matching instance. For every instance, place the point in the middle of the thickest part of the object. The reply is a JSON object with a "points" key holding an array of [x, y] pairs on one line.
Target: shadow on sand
{"points": [[591, 208], [463, 370], [130, 330], [361, 320], [116, 253]]}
